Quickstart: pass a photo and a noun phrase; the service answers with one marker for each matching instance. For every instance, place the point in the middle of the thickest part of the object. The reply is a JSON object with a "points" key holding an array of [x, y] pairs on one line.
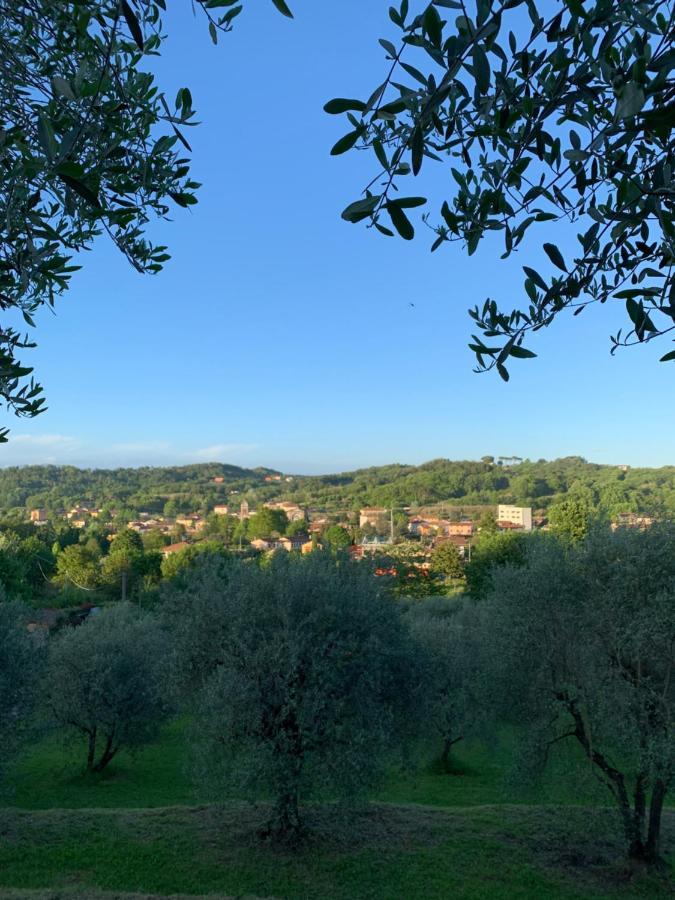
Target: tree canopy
{"points": [[582, 639], [542, 113], [89, 145]]}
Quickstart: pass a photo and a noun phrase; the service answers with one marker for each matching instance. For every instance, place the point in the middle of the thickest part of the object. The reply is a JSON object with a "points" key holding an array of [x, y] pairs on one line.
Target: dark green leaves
{"points": [[417, 149], [360, 209], [555, 256], [133, 24], [283, 8], [339, 105], [346, 142], [481, 69], [400, 221], [631, 100], [668, 357], [433, 25], [79, 186]]}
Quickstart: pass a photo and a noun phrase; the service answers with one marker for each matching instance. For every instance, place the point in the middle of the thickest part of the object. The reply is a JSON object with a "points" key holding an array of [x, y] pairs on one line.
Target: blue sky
{"points": [[280, 335]]}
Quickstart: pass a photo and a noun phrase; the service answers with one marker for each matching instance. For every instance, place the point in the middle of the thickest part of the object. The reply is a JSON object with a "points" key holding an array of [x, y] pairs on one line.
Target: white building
{"points": [[521, 516]]}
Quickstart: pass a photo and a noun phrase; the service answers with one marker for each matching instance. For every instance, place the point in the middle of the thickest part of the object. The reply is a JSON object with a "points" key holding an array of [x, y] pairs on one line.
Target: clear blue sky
{"points": [[280, 335]]}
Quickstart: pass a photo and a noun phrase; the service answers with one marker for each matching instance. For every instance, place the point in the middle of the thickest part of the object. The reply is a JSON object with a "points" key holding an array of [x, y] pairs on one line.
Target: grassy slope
{"points": [[141, 828]]}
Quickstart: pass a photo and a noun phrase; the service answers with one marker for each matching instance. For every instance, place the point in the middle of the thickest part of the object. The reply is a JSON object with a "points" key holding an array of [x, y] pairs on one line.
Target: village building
{"points": [[294, 512], [372, 516], [514, 517]]}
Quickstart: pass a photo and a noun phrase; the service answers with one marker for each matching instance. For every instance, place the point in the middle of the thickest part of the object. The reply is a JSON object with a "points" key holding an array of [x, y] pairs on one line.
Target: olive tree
{"points": [[308, 684], [449, 642], [103, 682], [583, 642], [541, 112], [20, 658], [89, 145]]}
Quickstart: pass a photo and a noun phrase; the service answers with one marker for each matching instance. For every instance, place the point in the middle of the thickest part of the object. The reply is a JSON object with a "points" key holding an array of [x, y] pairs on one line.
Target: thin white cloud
{"points": [[221, 452], [61, 449], [44, 440]]}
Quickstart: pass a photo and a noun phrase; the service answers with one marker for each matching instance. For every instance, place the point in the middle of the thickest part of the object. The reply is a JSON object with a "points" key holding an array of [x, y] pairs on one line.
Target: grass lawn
{"points": [[142, 829], [384, 852], [49, 776]]}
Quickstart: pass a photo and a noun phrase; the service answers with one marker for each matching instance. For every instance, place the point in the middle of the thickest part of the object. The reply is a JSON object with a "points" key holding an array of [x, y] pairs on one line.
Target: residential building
{"points": [[632, 520], [218, 479], [38, 516], [191, 522], [461, 529], [372, 515], [294, 512], [518, 516], [372, 544], [221, 509]]}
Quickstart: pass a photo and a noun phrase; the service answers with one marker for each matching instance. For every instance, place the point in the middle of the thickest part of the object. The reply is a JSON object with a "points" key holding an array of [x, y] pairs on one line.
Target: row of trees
{"points": [[304, 678]]}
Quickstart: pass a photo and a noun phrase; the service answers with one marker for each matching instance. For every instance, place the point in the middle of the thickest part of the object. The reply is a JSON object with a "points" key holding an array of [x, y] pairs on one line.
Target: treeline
{"points": [[457, 484], [305, 679]]}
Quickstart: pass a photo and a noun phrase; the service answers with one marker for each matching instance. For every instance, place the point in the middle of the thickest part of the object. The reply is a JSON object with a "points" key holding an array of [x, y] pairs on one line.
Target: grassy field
{"points": [[142, 829]]}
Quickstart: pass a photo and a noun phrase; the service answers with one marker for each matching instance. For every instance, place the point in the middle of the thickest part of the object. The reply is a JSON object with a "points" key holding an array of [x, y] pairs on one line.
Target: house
{"points": [[461, 529], [505, 525], [294, 512], [77, 512], [174, 548], [519, 516], [191, 522], [372, 515], [372, 544], [221, 509], [631, 520], [428, 525], [281, 543], [38, 516], [218, 479]]}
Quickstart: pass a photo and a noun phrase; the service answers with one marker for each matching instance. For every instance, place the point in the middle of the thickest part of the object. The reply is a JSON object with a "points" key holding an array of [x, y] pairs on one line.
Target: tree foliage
{"points": [[491, 551], [307, 677], [337, 536], [446, 561], [450, 644], [267, 523], [89, 145], [103, 682], [20, 659], [543, 113], [582, 641], [571, 517]]}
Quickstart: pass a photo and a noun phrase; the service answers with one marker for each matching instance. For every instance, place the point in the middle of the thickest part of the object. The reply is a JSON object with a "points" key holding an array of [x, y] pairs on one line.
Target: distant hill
{"points": [[440, 481]]}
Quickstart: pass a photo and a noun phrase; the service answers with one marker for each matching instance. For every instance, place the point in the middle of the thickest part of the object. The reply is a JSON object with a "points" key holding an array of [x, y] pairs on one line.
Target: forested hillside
{"points": [[456, 483]]}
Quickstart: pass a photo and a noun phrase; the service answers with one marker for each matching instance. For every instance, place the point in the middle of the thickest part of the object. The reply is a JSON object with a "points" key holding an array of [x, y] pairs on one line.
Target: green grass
{"points": [[143, 827], [384, 852], [50, 776]]}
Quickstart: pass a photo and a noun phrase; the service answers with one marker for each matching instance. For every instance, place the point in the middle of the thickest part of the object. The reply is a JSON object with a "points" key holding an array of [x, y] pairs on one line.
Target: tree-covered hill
{"points": [[147, 488], [467, 483], [612, 488]]}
